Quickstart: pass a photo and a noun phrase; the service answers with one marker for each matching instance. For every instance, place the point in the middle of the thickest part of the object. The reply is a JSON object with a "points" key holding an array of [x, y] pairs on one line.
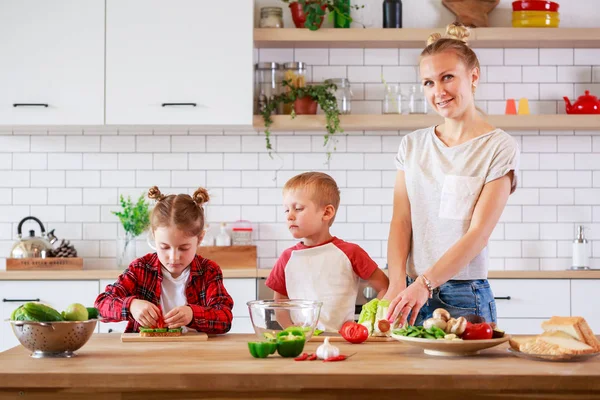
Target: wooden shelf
{"points": [[416, 37], [391, 122]]}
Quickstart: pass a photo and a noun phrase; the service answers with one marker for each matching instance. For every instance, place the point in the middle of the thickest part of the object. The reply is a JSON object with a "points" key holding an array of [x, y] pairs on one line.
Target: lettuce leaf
{"points": [[367, 314], [381, 313]]}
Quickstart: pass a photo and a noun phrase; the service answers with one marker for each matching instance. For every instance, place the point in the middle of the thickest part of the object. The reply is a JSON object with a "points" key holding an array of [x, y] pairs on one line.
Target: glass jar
{"points": [[267, 84], [417, 103], [271, 17], [392, 99], [343, 94], [241, 233], [295, 73]]}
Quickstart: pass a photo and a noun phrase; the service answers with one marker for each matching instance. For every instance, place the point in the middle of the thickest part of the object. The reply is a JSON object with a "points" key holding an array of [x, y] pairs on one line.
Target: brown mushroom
{"points": [[437, 322], [456, 326], [442, 314]]}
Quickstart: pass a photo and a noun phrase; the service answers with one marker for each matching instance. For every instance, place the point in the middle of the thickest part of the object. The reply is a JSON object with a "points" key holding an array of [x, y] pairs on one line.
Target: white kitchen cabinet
{"points": [[179, 62], [56, 294], [522, 304], [585, 301], [241, 291], [52, 65]]}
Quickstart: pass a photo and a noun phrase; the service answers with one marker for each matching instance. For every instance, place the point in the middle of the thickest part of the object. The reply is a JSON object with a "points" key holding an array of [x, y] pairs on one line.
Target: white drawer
{"points": [[56, 294], [241, 325], [521, 326], [242, 291], [112, 327], [585, 301], [531, 298]]}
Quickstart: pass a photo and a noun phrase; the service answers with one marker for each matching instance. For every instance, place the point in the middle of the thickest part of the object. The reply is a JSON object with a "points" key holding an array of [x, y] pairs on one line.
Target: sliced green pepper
{"points": [[262, 349], [290, 342]]}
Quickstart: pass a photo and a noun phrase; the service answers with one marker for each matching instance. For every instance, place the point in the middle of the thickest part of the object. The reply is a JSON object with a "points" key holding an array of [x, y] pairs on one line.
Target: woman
{"points": [[452, 185]]}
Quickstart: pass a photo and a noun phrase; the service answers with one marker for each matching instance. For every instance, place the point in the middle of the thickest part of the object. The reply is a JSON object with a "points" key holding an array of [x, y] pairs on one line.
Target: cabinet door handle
{"points": [[502, 298], [18, 300], [30, 105], [179, 104], [110, 330]]}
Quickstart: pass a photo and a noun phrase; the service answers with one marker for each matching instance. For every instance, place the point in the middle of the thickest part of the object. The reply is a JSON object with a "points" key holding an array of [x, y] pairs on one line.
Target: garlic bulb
{"points": [[327, 350]]}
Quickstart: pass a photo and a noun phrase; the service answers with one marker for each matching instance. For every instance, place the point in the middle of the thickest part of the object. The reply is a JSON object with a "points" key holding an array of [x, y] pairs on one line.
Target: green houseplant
{"points": [[321, 94], [135, 218], [310, 13]]}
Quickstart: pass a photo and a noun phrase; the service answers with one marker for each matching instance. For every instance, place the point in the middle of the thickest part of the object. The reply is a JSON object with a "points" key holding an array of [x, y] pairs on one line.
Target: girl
{"points": [[174, 286], [452, 184]]}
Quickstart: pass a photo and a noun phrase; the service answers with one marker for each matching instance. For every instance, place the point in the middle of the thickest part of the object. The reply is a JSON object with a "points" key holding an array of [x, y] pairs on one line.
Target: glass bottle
{"points": [[343, 94], [271, 17], [417, 103], [392, 99], [223, 238], [340, 19], [208, 240], [392, 14]]}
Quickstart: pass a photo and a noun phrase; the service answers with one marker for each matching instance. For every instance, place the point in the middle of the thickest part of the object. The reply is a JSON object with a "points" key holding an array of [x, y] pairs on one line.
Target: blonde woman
{"points": [[452, 185]]}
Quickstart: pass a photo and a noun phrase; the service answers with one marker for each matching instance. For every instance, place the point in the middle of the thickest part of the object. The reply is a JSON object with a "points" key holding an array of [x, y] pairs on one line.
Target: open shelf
{"points": [[391, 122], [416, 37]]}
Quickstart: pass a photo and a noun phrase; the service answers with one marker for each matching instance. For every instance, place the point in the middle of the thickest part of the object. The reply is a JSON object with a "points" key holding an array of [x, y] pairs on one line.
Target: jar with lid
{"points": [[343, 94], [267, 84], [417, 103], [295, 73], [271, 17], [392, 99], [241, 233]]}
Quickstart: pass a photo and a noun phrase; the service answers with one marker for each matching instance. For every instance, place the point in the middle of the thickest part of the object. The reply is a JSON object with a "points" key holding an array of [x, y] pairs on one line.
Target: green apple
{"points": [[76, 312]]}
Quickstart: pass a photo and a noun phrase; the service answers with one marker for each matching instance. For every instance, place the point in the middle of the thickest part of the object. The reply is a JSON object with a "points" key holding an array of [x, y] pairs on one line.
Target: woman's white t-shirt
{"points": [[443, 185]]}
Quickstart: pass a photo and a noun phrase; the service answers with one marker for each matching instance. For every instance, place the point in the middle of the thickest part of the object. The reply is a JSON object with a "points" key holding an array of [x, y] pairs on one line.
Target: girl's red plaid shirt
{"points": [[205, 294]]}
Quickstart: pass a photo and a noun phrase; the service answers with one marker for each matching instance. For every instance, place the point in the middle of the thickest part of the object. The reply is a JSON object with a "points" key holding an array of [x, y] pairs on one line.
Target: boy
{"points": [[321, 267]]}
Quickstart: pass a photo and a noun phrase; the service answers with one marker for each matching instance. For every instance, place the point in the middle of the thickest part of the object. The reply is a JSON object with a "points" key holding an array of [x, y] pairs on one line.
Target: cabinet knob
{"points": [[110, 330], [502, 298], [369, 293]]}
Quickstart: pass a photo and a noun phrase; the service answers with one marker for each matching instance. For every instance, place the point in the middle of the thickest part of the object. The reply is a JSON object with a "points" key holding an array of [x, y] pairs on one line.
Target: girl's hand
{"points": [[179, 316], [145, 313], [411, 299]]}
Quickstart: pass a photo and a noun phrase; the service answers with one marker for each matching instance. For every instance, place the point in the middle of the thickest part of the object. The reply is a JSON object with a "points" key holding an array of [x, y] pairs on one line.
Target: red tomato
{"points": [[477, 331], [354, 332]]}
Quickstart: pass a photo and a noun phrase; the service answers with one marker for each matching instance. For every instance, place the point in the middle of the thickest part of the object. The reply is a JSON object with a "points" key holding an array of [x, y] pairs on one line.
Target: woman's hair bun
{"points": [[456, 31], [200, 196], [155, 194]]}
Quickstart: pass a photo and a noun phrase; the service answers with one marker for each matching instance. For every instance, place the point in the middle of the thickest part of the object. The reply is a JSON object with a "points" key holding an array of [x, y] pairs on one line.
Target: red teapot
{"points": [[586, 104]]}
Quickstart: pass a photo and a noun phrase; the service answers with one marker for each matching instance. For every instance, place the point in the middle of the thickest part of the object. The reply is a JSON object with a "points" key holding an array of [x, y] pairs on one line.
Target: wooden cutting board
{"points": [[186, 337], [333, 337]]}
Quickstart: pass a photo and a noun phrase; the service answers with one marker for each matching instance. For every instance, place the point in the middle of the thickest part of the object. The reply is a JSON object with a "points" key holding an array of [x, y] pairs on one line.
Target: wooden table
{"points": [[222, 368]]}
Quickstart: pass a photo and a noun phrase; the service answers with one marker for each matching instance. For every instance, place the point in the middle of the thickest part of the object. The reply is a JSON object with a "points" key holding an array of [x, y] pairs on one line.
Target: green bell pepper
{"points": [[262, 349], [290, 342]]}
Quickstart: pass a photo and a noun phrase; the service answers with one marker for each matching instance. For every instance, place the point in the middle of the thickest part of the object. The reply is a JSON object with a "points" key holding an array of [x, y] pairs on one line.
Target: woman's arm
{"points": [[399, 238], [486, 214]]}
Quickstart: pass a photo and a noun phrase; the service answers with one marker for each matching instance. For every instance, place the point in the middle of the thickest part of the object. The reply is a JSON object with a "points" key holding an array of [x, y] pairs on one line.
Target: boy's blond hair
{"points": [[322, 189]]}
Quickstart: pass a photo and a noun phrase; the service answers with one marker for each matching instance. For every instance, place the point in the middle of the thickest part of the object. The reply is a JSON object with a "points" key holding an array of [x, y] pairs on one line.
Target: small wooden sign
{"points": [[230, 256], [45, 264]]}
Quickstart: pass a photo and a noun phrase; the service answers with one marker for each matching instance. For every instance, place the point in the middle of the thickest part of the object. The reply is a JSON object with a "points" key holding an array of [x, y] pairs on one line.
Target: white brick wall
{"points": [[72, 178]]}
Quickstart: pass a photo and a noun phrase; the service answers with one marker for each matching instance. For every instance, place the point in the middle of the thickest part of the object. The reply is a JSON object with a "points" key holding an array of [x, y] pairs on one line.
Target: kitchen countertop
{"points": [[264, 272], [223, 367]]}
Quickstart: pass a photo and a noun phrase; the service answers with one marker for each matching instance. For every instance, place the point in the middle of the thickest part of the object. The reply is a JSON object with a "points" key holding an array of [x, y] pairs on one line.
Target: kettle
{"points": [[586, 104], [33, 246]]}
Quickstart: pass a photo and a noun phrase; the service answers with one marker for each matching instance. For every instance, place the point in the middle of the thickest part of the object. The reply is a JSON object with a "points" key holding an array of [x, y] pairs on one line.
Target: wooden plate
{"points": [[547, 357], [451, 347]]}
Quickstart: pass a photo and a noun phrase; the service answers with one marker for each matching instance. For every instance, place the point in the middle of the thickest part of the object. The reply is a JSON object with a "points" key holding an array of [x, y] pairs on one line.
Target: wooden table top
{"points": [[224, 363]]}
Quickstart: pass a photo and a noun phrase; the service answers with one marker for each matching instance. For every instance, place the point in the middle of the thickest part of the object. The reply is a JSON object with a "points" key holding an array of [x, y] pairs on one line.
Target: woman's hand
{"points": [[410, 299], [179, 316], [145, 313]]}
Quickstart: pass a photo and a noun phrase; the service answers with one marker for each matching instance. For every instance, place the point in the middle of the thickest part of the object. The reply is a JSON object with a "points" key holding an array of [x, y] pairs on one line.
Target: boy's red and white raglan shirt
{"points": [[328, 272]]}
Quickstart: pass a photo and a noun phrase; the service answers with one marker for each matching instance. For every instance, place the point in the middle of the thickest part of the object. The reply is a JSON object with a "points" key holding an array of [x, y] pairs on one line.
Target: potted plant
{"points": [[305, 100], [135, 219], [310, 13]]}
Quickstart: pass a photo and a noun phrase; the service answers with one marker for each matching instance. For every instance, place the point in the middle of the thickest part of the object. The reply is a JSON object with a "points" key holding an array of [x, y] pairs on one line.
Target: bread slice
{"points": [[575, 327], [518, 343], [564, 345]]}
